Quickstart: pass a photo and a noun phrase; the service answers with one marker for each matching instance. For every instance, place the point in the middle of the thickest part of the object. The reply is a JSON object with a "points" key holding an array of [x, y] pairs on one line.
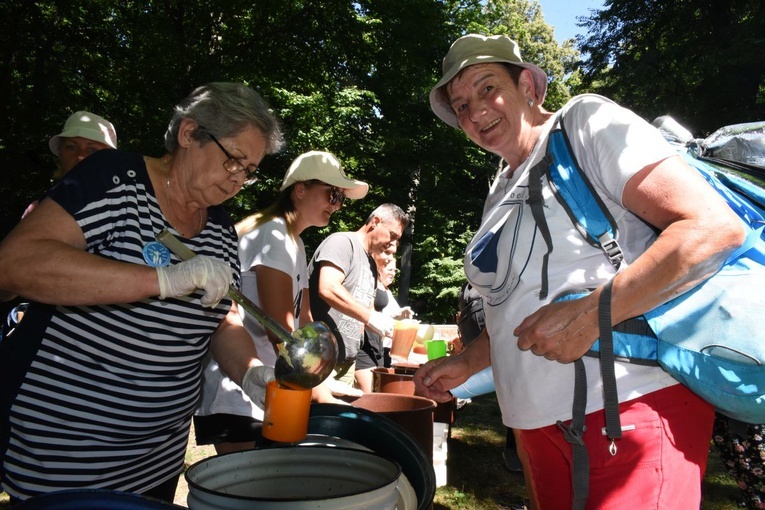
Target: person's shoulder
{"points": [[335, 247], [114, 156], [218, 215], [275, 224], [586, 103], [336, 237], [275, 227], [104, 170], [107, 163]]}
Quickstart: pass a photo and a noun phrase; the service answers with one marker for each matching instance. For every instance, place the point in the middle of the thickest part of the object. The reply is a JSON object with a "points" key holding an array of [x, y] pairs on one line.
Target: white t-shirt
{"points": [[271, 246], [503, 262]]}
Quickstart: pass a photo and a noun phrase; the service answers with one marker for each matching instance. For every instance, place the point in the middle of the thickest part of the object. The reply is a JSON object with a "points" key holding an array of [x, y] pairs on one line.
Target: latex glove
{"points": [[209, 274], [381, 324], [404, 313], [341, 389], [254, 383]]}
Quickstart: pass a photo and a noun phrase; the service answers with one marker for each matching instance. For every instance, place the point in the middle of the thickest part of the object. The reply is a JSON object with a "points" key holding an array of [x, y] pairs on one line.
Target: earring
{"points": [[531, 103]]}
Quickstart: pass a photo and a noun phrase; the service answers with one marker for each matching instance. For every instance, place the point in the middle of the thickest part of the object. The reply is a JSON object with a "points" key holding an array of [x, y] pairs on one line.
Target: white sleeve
{"points": [[612, 143], [269, 245]]}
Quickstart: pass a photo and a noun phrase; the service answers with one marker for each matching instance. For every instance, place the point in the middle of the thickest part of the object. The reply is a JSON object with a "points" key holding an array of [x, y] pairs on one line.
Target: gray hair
{"points": [[389, 212], [225, 110]]}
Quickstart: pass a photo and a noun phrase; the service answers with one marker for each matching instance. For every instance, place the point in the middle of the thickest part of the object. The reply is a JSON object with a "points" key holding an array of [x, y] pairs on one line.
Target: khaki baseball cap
{"points": [[324, 167], [480, 49], [86, 125]]}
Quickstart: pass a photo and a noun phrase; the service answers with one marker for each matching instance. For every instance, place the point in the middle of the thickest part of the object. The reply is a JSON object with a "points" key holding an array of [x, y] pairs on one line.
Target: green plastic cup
{"points": [[435, 348]]}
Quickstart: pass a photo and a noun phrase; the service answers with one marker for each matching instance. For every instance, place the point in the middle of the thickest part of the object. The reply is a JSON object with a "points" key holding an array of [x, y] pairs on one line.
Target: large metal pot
{"points": [[383, 435], [294, 478]]}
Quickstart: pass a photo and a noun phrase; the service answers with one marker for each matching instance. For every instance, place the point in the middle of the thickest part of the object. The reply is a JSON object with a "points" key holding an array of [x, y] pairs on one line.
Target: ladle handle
{"points": [[183, 252]]}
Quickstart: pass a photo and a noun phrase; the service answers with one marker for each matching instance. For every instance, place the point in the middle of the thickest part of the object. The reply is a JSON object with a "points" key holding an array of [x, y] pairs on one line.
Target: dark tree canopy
{"points": [[353, 78], [700, 61]]}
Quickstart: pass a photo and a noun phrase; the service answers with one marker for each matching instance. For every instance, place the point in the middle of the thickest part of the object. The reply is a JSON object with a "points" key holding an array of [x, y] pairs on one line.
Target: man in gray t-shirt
{"points": [[343, 279]]}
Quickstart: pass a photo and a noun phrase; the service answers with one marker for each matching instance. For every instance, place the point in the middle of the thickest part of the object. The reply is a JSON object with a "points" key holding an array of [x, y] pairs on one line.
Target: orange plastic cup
{"points": [[404, 333], [286, 413]]}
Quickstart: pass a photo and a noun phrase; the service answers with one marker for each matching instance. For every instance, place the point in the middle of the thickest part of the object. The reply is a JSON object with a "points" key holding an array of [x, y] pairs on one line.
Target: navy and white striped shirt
{"points": [[102, 396]]}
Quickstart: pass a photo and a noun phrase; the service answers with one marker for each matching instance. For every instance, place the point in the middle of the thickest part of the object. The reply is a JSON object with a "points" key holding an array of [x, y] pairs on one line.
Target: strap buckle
{"points": [[612, 250], [572, 435]]}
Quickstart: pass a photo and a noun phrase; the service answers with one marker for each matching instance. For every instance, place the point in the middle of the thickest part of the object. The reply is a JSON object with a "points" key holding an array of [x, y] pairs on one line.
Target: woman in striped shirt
{"points": [[99, 382]]}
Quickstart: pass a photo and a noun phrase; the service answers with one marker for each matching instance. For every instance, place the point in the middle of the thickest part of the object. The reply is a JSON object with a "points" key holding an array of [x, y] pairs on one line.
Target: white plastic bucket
{"points": [[294, 478]]}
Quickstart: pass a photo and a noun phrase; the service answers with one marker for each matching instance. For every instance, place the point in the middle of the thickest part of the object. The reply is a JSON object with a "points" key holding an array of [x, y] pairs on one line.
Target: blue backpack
{"points": [[710, 338]]}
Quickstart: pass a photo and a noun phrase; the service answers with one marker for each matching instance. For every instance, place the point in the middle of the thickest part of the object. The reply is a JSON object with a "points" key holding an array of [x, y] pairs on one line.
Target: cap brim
{"points": [[443, 109], [89, 134], [353, 189]]}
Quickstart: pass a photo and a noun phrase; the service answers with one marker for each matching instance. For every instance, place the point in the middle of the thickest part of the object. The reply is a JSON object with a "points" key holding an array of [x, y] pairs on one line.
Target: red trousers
{"points": [[659, 464]]}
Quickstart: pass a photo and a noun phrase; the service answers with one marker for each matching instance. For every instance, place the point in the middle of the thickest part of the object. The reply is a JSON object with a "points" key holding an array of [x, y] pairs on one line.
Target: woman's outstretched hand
{"points": [[434, 379], [562, 331]]}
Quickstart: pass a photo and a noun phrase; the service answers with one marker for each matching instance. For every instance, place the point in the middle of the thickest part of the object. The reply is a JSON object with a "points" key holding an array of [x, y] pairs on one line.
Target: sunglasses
{"points": [[336, 195]]}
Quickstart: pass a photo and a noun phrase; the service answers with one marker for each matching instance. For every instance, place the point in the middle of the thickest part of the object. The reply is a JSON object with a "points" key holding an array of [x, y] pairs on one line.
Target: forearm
{"points": [[683, 256], [478, 352], [305, 309], [276, 298], [44, 259], [56, 273], [698, 232], [337, 297], [7, 296], [232, 347]]}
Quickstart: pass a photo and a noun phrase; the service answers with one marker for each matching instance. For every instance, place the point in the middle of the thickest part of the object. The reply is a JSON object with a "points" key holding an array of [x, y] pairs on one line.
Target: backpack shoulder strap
{"points": [[578, 197], [537, 204], [575, 193]]}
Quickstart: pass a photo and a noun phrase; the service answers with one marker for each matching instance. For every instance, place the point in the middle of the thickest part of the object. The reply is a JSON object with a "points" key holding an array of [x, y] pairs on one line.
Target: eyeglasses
{"points": [[233, 165]]}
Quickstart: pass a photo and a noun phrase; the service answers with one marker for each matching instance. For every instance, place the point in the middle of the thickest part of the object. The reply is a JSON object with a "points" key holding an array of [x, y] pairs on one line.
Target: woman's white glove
{"points": [[381, 324], [254, 383], [404, 313], [341, 389], [206, 273]]}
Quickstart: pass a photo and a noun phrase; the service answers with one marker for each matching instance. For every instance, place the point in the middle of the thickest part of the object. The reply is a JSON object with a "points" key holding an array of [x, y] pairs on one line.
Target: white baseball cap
{"points": [[86, 125], [324, 167]]}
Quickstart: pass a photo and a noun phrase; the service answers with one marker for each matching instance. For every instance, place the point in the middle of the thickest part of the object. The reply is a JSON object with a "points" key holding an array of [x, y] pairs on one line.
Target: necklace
{"points": [[156, 254], [173, 219]]}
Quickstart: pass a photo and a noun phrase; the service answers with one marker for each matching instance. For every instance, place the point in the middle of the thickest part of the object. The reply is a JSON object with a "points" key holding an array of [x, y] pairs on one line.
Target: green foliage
{"points": [[353, 78], [523, 21]]}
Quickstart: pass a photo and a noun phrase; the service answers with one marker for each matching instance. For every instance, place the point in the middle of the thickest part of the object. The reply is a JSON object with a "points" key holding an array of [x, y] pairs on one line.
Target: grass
{"points": [[476, 476]]}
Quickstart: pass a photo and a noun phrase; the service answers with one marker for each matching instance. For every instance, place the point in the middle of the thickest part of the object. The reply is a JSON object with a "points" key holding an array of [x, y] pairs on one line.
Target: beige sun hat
{"points": [[480, 49], [324, 167], [86, 125]]}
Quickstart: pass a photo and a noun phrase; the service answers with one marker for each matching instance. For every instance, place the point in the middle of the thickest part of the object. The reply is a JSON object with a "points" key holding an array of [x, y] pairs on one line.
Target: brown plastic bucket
{"points": [[415, 414], [386, 380], [394, 380]]}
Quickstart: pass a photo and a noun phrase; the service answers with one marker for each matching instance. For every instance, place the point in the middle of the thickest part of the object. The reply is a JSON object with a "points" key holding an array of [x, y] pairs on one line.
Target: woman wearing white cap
{"points": [[84, 133], [274, 276], [496, 99]]}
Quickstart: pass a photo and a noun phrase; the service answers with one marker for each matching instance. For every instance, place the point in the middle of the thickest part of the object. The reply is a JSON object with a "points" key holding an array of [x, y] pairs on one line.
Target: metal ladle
{"points": [[306, 356]]}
